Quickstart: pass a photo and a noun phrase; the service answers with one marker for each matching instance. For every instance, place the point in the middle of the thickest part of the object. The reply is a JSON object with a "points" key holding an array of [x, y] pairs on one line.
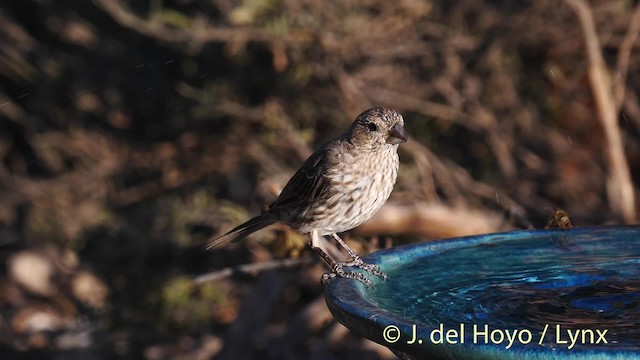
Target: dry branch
{"points": [[624, 55], [198, 34], [252, 269], [619, 186], [432, 221]]}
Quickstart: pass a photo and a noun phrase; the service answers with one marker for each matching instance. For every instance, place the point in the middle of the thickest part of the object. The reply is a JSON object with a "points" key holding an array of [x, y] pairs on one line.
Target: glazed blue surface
{"points": [[533, 290]]}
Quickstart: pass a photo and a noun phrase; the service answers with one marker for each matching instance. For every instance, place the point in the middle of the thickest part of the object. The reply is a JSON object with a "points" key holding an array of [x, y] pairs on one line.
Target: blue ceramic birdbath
{"points": [[535, 294]]}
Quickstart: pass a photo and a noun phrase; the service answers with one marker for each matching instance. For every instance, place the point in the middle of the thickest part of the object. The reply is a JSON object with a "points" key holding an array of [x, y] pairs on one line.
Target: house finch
{"points": [[340, 186]]}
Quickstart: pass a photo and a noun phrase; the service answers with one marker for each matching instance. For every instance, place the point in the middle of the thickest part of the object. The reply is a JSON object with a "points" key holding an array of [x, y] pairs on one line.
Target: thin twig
{"points": [[433, 221], [619, 186], [624, 54], [253, 268], [198, 34], [407, 101]]}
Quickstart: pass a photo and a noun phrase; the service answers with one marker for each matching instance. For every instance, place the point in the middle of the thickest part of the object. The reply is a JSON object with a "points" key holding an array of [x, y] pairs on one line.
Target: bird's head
{"points": [[377, 127]]}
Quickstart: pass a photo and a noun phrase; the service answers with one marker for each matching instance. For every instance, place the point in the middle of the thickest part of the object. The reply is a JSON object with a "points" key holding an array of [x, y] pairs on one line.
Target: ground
{"points": [[130, 132]]}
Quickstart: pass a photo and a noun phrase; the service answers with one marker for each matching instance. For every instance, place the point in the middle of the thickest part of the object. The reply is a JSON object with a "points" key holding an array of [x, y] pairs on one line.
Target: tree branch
{"points": [[619, 186], [198, 34], [253, 268], [624, 54]]}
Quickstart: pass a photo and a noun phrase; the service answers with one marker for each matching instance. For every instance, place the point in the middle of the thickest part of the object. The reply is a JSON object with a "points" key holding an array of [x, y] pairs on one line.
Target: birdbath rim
{"points": [[351, 304]]}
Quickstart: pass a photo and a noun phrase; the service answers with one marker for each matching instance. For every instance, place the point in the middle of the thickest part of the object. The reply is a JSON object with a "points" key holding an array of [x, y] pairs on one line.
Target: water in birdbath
{"points": [[563, 291]]}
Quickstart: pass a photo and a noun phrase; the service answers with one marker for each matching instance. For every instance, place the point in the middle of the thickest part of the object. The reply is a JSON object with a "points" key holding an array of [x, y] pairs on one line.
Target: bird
{"points": [[340, 186]]}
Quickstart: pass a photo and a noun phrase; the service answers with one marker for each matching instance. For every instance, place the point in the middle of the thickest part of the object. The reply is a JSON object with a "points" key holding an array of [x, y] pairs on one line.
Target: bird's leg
{"points": [[344, 245], [336, 267], [357, 261]]}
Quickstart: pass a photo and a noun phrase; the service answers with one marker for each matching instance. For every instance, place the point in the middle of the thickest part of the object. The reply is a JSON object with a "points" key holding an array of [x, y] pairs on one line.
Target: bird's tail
{"points": [[241, 231]]}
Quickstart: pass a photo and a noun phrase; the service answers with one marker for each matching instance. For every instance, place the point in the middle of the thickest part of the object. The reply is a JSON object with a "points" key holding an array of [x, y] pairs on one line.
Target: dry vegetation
{"points": [[131, 131]]}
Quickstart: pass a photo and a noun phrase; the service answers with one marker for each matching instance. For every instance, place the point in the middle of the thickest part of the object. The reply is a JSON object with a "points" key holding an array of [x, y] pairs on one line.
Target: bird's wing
{"points": [[307, 184]]}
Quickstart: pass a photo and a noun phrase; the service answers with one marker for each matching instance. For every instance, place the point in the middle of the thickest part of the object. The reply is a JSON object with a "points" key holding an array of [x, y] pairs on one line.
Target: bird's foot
{"points": [[338, 271], [370, 268]]}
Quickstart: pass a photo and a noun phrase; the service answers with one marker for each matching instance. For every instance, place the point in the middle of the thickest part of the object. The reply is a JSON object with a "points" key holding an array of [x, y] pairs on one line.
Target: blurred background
{"points": [[131, 131]]}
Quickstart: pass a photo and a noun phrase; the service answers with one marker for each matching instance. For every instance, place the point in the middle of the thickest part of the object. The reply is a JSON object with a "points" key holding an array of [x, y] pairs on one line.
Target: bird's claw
{"points": [[326, 277], [338, 271], [370, 268]]}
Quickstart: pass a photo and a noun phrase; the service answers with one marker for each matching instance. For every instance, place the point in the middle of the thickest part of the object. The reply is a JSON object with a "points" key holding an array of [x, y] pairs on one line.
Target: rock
{"points": [[37, 318], [33, 272], [89, 289]]}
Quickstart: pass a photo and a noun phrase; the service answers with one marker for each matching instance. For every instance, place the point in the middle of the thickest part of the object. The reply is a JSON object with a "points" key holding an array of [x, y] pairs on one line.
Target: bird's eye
{"points": [[372, 127]]}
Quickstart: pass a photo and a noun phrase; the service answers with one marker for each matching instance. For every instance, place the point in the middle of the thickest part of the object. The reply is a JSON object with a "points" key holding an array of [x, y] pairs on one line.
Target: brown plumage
{"points": [[340, 186]]}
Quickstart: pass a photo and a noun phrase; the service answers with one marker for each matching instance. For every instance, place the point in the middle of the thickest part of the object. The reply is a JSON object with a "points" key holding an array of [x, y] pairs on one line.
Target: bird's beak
{"points": [[396, 135]]}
